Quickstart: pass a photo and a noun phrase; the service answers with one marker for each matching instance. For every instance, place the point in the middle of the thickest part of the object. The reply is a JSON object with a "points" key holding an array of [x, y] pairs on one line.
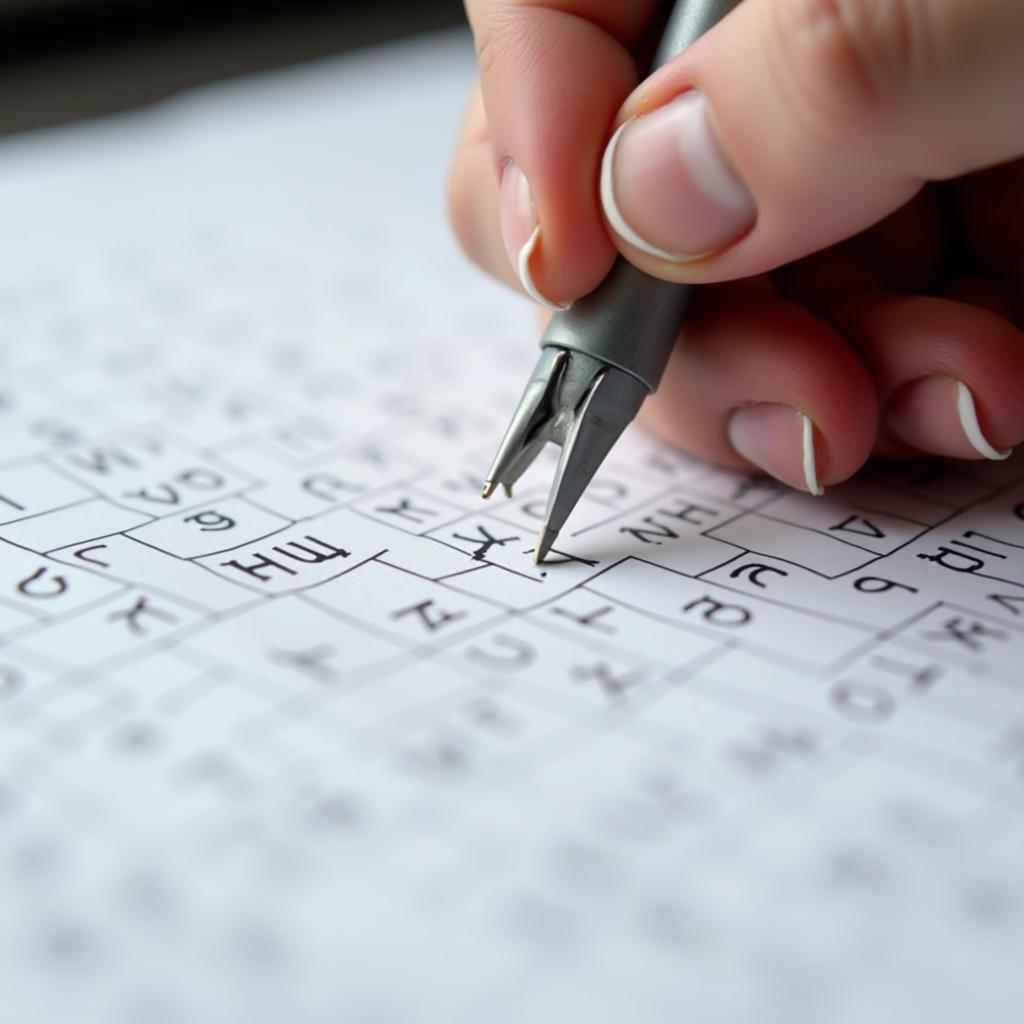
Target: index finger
{"points": [[554, 74]]}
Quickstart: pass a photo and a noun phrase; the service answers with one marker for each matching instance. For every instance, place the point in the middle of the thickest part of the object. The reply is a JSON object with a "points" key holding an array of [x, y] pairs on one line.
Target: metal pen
{"points": [[601, 357]]}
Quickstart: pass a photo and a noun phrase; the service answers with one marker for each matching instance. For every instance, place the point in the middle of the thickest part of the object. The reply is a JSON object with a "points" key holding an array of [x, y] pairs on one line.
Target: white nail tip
{"points": [[968, 414], [810, 463], [614, 215], [526, 274]]}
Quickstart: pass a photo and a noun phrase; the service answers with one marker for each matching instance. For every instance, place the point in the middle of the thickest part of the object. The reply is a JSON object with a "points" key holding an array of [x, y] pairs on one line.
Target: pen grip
{"points": [[631, 320]]}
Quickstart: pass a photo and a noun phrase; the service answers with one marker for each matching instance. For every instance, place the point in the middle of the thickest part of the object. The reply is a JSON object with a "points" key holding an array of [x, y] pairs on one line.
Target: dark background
{"points": [[63, 60]]}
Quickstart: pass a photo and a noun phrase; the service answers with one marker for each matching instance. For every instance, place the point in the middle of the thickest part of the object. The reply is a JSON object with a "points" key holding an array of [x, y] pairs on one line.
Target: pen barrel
{"points": [[631, 321], [689, 20]]}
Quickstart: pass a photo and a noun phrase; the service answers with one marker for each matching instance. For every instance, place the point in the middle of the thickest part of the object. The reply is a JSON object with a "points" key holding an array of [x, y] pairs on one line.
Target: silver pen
{"points": [[601, 357]]}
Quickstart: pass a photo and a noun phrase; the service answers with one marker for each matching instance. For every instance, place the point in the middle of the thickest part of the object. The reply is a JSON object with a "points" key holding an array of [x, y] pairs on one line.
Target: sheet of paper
{"points": [[292, 729]]}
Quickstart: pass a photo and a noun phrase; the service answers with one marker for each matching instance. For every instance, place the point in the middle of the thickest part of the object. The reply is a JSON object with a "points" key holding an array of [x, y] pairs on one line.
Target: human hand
{"points": [[846, 176]]}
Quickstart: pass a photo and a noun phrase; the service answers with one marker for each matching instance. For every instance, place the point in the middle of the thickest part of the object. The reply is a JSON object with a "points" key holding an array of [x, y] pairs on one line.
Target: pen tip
{"points": [[489, 488], [545, 540]]}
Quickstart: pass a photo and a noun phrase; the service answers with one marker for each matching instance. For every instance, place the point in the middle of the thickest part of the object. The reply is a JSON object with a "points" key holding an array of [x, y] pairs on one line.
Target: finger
{"points": [[757, 382], [473, 196], [949, 376], [554, 73], [794, 124]]}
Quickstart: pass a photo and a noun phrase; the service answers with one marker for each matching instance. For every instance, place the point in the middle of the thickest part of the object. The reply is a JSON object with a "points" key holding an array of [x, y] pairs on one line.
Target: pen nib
{"points": [[578, 402], [491, 486], [545, 540]]}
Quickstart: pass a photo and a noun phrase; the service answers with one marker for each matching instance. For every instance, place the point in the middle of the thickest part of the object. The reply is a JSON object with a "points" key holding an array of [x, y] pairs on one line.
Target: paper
{"points": [[291, 729]]}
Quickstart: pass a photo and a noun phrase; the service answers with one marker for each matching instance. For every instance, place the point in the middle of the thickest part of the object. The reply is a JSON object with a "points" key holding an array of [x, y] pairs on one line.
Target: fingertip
{"points": [[758, 383], [949, 375], [524, 268], [780, 441], [669, 195]]}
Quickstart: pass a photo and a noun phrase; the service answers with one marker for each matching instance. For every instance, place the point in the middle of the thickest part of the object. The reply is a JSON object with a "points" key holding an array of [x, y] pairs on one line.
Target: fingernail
{"points": [[938, 415], [520, 229], [779, 440], [667, 186]]}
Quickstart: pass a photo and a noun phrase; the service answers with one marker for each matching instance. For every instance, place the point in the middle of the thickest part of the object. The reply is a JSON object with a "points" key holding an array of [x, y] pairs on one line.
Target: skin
{"points": [[882, 142]]}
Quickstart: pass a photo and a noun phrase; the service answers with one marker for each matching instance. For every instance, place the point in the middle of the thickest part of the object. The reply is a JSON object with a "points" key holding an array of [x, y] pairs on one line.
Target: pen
{"points": [[601, 357]]}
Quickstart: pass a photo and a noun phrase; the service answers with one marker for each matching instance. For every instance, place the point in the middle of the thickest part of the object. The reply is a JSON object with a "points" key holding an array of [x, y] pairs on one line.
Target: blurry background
{"points": [[63, 60]]}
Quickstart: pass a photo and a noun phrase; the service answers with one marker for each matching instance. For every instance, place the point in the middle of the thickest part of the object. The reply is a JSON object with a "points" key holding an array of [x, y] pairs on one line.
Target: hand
{"points": [[844, 175]]}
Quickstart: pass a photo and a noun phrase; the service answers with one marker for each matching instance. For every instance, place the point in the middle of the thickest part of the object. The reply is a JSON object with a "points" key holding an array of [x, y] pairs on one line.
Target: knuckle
{"points": [[851, 60]]}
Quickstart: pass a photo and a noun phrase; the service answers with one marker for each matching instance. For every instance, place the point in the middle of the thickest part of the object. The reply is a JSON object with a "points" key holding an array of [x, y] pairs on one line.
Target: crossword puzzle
{"points": [[292, 728]]}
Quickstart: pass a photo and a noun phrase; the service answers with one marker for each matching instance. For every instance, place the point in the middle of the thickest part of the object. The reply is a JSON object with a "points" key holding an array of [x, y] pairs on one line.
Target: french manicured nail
{"points": [[938, 415], [779, 440], [667, 186], [521, 229]]}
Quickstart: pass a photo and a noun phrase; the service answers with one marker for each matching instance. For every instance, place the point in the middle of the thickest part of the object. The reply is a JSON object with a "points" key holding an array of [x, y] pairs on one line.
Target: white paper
{"points": [[291, 729]]}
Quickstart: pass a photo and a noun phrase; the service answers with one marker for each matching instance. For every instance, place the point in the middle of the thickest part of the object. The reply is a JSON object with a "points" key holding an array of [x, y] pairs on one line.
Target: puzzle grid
{"points": [[288, 713]]}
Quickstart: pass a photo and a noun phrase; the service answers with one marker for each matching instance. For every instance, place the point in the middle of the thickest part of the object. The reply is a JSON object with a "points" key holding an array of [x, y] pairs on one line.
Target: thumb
{"points": [[794, 124]]}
